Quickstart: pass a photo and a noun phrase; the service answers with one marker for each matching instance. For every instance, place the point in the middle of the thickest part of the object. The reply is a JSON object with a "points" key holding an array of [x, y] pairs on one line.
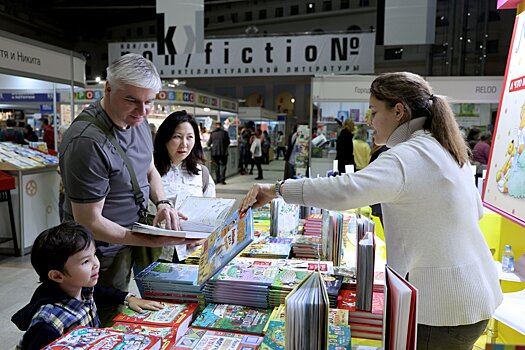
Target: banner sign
{"points": [[268, 56], [23, 97], [19, 58], [180, 26]]}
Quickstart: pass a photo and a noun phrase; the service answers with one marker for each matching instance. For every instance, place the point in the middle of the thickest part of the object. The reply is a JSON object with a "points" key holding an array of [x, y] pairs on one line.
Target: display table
{"points": [[512, 311], [35, 204]]}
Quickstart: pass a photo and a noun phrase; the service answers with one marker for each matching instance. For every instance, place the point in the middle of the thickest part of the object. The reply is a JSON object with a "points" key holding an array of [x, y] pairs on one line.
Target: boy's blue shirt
{"points": [[51, 313]]}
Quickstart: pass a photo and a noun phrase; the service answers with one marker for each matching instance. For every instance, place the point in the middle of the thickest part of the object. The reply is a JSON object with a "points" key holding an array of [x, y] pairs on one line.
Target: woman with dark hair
{"points": [[431, 209], [179, 158]]}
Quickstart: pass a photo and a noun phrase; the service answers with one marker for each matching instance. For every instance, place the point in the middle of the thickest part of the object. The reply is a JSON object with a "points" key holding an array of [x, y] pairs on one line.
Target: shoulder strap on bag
{"points": [[205, 178], [88, 117]]}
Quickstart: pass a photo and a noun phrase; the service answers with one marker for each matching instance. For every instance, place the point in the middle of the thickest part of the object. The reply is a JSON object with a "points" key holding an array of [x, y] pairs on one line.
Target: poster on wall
{"points": [[504, 190]]}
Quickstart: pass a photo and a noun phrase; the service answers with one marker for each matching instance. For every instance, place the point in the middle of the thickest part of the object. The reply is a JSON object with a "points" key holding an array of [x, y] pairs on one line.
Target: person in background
{"points": [[205, 134], [65, 261], [481, 151], [242, 141], [266, 144], [281, 145], [256, 151], [345, 146], [11, 133], [98, 187], [48, 135], [29, 134], [153, 129], [473, 137], [219, 142], [289, 167], [431, 209], [179, 159], [361, 148]]}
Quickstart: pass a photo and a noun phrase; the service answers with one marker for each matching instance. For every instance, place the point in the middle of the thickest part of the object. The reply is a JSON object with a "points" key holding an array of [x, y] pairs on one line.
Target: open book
{"points": [[307, 315], [205, 214]]}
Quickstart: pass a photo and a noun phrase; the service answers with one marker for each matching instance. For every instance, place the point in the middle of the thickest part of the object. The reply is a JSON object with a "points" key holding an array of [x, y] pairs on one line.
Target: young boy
{"points": [[64, 259]]}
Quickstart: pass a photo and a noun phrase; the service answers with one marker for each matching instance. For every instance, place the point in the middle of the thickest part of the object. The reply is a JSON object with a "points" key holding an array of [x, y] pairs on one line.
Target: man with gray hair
{"points": [[108, 172]]}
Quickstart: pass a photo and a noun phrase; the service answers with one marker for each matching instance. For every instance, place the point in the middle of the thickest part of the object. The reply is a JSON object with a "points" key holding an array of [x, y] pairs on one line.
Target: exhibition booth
{"points": [[31, 73]]}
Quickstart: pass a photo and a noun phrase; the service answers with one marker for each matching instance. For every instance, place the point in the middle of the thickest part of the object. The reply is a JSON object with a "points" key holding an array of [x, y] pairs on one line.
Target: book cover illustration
{"points": [[224, 244], [85, 338], [166, 333], [249, 270], [166, 272], [339, 337], [234, 318], [169, 315], [217, 340], [204, 213]]}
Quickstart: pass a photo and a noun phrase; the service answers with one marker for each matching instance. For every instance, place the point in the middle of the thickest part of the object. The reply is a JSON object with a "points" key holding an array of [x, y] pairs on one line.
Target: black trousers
{"points": [[220, 168], [257, 161]]}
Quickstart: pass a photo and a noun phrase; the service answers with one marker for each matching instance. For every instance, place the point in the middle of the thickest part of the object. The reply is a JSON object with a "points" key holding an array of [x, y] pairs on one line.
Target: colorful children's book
{"points": [[85, 338], [167, 334], [176, 316], [221, 246], [233, 318], [339, 337], [199, 339], [224, 244]]}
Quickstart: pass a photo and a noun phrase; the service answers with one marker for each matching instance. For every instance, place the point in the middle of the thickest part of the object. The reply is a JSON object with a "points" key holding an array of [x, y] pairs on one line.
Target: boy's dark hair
{"points": [[54, 246]]}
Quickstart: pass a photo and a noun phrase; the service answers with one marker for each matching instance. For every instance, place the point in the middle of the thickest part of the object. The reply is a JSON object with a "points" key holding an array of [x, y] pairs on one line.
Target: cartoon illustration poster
{"points": [[504, 189]]}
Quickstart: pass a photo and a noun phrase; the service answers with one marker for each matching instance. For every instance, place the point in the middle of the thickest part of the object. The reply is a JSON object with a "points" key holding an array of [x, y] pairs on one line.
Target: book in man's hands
{"points": [[205, 214], [222, 245]]}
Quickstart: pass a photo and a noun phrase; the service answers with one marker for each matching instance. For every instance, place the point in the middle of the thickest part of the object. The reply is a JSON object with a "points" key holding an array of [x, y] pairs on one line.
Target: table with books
{"points": [[240, 291], [35, 197]]}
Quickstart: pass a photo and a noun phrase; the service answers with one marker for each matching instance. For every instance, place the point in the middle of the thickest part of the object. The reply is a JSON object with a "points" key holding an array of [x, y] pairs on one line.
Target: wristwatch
{"points": [[278, 185], [165, 201], [126, 300]]}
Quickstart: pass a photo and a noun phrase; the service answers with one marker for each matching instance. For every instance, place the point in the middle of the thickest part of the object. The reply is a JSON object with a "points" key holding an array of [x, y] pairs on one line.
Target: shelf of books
{"points": [[271, 280]]}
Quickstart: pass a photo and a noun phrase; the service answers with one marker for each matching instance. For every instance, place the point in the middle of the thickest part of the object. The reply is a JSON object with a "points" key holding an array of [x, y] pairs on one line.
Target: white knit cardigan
{"points": [[431, 210]]}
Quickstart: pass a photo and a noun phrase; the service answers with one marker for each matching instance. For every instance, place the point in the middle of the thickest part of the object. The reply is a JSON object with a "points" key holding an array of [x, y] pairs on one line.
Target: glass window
{"points": [[395, 53], [310, 7], [294, 10], [262, 14], [279, 12], [247, 16], [327, 6]]}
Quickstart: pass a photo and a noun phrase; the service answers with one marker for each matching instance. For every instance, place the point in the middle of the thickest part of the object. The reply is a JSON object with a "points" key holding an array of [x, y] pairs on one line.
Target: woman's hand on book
{"points": [[259, 195]]}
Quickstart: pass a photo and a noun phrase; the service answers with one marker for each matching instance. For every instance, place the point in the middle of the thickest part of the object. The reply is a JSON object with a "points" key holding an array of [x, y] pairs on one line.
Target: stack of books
{"points": [[306, 247], [365, 324], [269, 247], [291, 274], [233, 318], [183, 282], [243, 281], [198, 339], [84, 338], [313, 224], [170, 281], [339, 335], [169, 323]]}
